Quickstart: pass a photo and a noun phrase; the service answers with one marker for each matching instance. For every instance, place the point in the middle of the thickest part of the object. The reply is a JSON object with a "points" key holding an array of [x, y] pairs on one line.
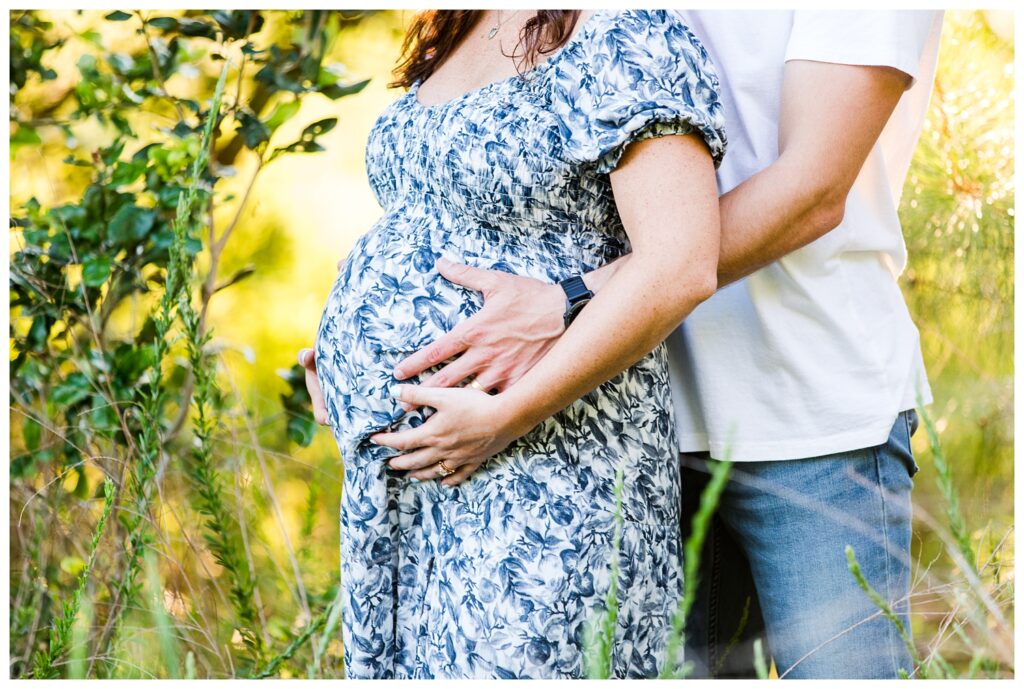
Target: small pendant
{"points": [[492, 33]]}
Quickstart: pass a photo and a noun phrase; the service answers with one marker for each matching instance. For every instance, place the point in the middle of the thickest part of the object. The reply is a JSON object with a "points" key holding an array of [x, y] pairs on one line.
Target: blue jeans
{"points": [[774, 566]]}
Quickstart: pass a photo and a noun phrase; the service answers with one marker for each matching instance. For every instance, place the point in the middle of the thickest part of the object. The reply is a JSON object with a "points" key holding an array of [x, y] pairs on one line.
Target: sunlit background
{"points": [[306, 210]]}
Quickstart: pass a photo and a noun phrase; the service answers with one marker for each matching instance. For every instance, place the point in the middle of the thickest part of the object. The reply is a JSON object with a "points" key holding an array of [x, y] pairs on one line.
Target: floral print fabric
{"points": [[497, 577]]}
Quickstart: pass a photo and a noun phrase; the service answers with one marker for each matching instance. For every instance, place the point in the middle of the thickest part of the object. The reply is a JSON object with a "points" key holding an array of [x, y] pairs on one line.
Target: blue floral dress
{"points": [[499, 576]]}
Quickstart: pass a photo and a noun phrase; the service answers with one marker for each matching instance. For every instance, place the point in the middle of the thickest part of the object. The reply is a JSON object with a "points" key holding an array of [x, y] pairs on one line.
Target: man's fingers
{"points": [[454, 373], [477, 279], [441, 349], [460, 475]]}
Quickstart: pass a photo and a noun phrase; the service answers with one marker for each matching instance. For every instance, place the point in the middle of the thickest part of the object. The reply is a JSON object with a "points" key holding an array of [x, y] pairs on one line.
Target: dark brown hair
{"points": [[434, 35]]}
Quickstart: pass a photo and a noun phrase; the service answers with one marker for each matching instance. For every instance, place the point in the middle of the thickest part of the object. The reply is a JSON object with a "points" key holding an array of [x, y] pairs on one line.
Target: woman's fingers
{"points": [[417, 459], [461, 474], [435, 471], [487, 381], [432, 472], [409, 439], [307, 359], [419, 396]]}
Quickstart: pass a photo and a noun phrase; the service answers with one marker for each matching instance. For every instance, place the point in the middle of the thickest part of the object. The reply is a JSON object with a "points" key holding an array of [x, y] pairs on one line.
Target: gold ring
{"points": [[445, 469], [478, 386]]}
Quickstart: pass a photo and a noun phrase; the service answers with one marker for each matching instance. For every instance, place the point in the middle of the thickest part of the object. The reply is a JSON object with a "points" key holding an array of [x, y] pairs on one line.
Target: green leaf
{"points": [[282, 113], [23, 465], [301, 429], [78, 162], [82, 486], [118, 16], [319, 128], [31, 432], [72, 565], [39, 332], [126, 173], [195, 28], [301, 426], [164, 23], [336, 91], [111, 153], [122, 63], [253, 131], [72, 390], [130, 223], [96, 270], [87, 64], [238, 23], [93, 37], [25, 136]]}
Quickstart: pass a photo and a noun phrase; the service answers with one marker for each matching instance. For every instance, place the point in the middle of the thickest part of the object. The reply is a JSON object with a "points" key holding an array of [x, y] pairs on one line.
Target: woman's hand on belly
{"points": [[468, 427]]}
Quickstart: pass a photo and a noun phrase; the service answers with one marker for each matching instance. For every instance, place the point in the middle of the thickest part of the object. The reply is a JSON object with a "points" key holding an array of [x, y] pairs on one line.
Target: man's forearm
{"points": [[770, 215]]}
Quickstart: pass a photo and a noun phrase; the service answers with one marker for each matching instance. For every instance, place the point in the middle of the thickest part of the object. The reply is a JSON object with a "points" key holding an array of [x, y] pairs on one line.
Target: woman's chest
{"points": [[497, 145]]}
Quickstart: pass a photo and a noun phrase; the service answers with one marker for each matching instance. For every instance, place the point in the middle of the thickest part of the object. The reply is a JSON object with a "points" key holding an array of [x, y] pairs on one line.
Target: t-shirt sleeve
{"points": [[878, 38], [638, 74]]}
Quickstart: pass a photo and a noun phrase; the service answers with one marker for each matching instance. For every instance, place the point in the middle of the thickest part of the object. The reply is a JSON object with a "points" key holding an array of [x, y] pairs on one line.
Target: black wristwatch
{"points": [[576, 297]]}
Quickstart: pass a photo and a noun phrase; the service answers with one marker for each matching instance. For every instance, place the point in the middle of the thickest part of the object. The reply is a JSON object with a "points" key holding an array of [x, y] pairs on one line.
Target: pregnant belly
{"points": [[389, 296], [389, 300]]}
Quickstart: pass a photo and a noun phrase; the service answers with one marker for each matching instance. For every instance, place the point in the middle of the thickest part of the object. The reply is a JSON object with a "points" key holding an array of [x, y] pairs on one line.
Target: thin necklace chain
{"points": [[494, 30]]}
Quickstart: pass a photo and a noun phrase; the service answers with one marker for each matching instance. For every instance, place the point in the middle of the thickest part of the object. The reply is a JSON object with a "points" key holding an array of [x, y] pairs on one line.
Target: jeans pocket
{"points": [[911, 421]]}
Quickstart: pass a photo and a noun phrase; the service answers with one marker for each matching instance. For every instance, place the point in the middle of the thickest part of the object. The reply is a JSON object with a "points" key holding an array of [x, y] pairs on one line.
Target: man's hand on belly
{"points": [[519, 322]]}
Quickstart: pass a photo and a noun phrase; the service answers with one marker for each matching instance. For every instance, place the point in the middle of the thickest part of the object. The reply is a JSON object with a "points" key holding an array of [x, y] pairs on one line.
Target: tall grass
{"points": [[599, 635], [599, 639], [709, 499], [65, 623]]}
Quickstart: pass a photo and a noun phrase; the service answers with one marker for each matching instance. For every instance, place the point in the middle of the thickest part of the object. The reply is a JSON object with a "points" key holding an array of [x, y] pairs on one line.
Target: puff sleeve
{"points": [[638, 74]]}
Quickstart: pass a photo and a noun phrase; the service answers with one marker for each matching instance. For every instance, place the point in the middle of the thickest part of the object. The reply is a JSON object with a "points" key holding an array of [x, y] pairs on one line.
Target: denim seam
{"points": [[885, 540]]}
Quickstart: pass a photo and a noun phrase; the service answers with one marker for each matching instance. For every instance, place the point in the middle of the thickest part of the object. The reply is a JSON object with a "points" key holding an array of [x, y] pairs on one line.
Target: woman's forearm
{"points": [[639, 305]]}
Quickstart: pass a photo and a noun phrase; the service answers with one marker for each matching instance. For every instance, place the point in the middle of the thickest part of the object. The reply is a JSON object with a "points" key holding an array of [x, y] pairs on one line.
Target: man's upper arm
{"points": [[831, 116], [844, 75]]}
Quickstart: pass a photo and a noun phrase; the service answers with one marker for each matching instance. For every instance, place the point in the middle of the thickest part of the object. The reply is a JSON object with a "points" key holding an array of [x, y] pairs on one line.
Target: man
{"points": [[805, 367]]}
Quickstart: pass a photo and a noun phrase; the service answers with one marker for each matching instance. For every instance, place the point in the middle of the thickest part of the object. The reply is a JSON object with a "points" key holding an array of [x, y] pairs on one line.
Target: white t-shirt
{"points": [[815, 353]]}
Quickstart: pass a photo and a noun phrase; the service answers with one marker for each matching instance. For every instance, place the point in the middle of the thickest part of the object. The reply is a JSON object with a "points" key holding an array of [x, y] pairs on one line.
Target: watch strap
{"points": [[576, 297], [576, 289]]}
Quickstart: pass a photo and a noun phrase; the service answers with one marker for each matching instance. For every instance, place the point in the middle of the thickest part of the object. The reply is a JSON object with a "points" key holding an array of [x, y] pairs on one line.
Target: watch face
{"points": [[574, 309]]}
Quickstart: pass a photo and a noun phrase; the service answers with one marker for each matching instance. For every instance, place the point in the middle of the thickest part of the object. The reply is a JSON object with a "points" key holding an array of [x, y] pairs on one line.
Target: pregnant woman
{"points": [[544, 144]]}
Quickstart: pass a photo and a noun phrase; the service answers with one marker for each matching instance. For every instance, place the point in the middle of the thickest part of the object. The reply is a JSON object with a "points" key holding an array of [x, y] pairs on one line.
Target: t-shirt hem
{"points": [[877, 433]]}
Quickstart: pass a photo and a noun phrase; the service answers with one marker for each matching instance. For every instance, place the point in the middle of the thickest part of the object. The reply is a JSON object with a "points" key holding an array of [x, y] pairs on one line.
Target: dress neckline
{"points": [[531, 73]]}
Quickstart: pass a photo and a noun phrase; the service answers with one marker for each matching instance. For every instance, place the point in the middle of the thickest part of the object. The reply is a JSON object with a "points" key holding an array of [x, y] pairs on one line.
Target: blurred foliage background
{"points": [[220, 554]]}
